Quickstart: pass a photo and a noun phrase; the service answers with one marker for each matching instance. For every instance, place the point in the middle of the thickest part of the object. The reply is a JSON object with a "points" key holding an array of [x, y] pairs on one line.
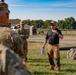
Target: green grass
{"points": [[39, 65]]}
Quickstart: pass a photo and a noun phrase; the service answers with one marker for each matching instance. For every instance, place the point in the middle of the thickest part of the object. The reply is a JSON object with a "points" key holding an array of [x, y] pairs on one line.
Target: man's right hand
{"points": [[43, 46]]}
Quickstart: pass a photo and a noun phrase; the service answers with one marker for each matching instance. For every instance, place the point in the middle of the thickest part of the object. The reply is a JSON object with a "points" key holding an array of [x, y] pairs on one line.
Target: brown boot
{"points": [[51, 68], [58, 69]]}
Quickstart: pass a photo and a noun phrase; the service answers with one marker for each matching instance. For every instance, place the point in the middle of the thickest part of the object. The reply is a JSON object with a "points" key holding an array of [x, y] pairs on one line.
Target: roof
{"points": [[14, 21], [27, 26]]}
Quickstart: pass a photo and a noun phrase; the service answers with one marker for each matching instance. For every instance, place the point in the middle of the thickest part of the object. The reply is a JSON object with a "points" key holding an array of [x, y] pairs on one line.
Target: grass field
{"points": [[39, 65]]}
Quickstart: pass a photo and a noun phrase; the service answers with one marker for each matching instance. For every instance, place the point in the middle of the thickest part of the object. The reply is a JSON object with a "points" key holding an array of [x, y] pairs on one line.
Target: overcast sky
{"points": [[42, 9]]}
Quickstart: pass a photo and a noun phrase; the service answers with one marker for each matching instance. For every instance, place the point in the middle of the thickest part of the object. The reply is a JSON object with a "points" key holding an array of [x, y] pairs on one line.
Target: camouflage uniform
{"points": [[24, 36], [11, 39], [11, 63]]}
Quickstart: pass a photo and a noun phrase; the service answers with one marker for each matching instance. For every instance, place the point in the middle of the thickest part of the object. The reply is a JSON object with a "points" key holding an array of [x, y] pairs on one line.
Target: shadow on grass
{"points": [[37, 60], [47, 73], [39, 65], [69, 68]]}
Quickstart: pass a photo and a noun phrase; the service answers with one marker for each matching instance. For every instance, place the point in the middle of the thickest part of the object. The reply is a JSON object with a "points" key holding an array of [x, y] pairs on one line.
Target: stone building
{"points": [[33, 30]]}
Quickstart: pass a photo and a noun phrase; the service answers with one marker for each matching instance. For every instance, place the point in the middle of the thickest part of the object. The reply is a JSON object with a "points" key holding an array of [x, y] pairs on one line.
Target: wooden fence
{"points": [[69, 32]]}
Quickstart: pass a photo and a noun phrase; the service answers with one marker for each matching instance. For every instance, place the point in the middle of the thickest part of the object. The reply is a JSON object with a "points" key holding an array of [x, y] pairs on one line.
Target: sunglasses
{"points": [[22, 24], [52, 24]]}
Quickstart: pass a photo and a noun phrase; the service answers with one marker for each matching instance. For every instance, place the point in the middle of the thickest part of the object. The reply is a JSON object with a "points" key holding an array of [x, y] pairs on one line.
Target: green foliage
{"points": [[46, 24], [39, 23], [67, 23], [28, 22], [61, 24]]}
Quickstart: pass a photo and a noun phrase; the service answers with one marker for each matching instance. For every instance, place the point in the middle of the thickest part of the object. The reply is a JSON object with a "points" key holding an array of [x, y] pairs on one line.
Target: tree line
{"points": [[67, 23]]}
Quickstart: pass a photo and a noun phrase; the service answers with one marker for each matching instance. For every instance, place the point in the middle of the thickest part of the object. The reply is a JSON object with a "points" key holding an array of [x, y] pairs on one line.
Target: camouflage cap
{"points": [[53, 22]]}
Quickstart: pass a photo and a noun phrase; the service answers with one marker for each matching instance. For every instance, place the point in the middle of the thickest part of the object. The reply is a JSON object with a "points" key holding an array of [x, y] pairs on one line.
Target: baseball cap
{"points": [[53, 22]]}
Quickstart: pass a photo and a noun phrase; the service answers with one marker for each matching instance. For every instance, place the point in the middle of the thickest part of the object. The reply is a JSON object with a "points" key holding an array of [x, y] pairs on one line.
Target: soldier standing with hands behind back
{"points": [[53, 36], [24, 36]]}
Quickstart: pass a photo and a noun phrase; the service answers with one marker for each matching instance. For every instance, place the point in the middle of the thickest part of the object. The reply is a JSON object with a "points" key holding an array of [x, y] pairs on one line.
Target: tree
{"points": [[39, 23], [69, 22], [46, 24], [27, 22], [33, 22], [61, 24]]}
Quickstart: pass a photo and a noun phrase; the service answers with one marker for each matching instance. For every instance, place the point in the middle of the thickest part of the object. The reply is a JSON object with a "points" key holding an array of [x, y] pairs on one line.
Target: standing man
{"points": [[53, 36], [24, 36]]}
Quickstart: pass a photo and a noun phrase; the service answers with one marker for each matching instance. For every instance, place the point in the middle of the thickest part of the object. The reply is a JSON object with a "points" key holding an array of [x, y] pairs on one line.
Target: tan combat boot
{"points": [[51, 68], [58, 69]]}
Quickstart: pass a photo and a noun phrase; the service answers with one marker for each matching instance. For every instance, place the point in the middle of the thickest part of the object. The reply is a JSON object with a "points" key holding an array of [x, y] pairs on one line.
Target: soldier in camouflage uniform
{"points": [[24, 36], [12, 40]]}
